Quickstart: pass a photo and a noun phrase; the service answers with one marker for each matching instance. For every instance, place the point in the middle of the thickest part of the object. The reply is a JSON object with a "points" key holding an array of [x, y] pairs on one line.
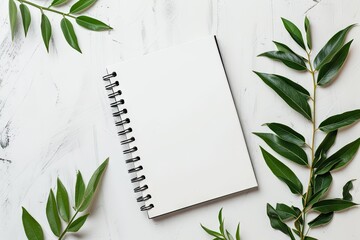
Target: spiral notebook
{"points": [[178, 122]]}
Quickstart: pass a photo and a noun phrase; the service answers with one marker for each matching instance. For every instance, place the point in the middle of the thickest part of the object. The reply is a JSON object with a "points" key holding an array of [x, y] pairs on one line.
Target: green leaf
{"points": [[12, 17], [276, 222], [321, 220], [310, 238], [81, 5], [32, 228], [331, 69], [77, 224], [69, 34], [289, 59], [221, 222], [56, 3], [92, 23], [46, 30], [308, 32], [93, 185], [325, 145], [341, 120], [285, 212], [62, 199], [294, 32], [282, 172], [211, 232], [289, 92], [237, 235], [52, 215], [79, 190], [321, 186], [287, 134], [284, 48], [331, 48], [346, 190], [229, 236], [340, 158], [285, 149], [26, 17], [332, 205]]}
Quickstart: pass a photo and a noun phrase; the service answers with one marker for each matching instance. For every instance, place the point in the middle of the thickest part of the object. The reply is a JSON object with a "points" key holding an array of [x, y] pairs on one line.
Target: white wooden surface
{"points": [[55, 118]]}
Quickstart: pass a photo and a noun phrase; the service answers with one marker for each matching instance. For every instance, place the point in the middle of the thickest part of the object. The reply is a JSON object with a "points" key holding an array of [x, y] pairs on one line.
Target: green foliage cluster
{"points": [[58, 207], [291, 145], [66, 26]]}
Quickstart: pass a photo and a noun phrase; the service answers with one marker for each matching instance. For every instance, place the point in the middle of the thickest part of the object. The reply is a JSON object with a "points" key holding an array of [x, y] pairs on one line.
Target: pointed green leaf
{"points": [[46, 30], [287, 134], [321, 186], [32, 228], [331, 48], [69, 34], [229, 236], [321, 220], [81, 6], [26, 17], [294, 32], [62, 199], [288, 92], [346, 190], [211, 232], [56, 3], [341, 120], [308, 32], [12, 17], [331, 69], [92, 23], [52, 215], [93, 185], [325, 146], [221, 222], [284, 48], [238, 232], [276, 222], [79, 190], [77, 224], [310, 238], [285, 212], [332, 205], [285, 149], [282, 172], [340, 158], [289, 59]]}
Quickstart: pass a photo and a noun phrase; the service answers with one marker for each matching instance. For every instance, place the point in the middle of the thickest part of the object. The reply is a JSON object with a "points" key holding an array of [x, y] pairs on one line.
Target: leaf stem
{"points": [[67, 227], [42, 8]]}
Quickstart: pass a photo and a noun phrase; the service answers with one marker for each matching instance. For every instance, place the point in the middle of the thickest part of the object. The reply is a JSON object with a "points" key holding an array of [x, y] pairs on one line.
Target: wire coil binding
{"points": [[126, 130]]}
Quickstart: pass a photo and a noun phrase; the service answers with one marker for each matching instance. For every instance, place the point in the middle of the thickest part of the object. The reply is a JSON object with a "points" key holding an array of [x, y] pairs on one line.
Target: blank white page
{"points": [[186, 126]]}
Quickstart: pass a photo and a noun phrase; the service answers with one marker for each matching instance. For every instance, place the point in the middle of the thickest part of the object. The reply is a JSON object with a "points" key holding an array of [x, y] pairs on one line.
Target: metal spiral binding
{"points": [[126, 130]]}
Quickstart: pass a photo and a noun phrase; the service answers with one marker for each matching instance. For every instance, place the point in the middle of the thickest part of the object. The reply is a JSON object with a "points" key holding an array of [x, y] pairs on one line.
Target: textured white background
{"points": [[55, 118]]}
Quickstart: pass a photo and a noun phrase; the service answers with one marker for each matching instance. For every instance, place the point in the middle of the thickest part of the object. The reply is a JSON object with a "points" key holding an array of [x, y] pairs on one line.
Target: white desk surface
{"points": [[55, 116]]}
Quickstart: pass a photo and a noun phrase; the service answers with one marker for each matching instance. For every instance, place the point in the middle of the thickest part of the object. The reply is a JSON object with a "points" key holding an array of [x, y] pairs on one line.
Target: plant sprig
{"points": [[66, 26], [58, 207], [222, 234], [291, 145]]}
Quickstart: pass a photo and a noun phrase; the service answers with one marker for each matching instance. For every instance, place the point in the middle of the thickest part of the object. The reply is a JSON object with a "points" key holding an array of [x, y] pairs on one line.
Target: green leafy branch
{"points": [[291, 145], [58, 207], [66, 25], [222, 234]]}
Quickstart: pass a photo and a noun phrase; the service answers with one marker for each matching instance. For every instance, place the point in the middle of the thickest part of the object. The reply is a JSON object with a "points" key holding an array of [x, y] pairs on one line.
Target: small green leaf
{"points": [[79, 190], [26, 17], [289, 59], [276, 222], [92, 23], [321, 220], [285, 212], [46, 30], [52, 215], [321, 186], [294, 32], [57, 3], [332, 205], [77, 224], [211, 232], [12, 17], [308, 32], [346, 190], [284, 48], [287, 134], [93, 185], [62, 199], [331, 48], [285, 149], [331, 69], [341, 120], [288, 92], [325, 145], [221, 222], [310, 238], [69, 34], [339, 159], [282, 172], [32, 228], [238, 232], [81, 6]]}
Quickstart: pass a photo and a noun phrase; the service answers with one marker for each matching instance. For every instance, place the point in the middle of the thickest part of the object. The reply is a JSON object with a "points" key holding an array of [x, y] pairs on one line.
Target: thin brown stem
{"points": [[42, 8]]}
